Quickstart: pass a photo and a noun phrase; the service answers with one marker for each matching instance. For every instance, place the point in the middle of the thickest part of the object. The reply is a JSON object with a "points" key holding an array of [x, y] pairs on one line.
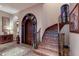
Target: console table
{"points": [[6, 38]]}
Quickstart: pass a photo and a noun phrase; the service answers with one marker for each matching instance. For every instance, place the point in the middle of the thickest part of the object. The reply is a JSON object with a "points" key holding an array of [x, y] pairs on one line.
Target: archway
{"points": [[29, 30], [64, 13]]}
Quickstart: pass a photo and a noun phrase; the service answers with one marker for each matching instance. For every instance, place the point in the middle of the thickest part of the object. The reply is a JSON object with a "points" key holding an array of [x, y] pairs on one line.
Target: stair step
{"points": [[50, 40], [47, 37], [48, 47], [51, 34], [50, 43], [55, 40], [45, 52], [52, 37]]}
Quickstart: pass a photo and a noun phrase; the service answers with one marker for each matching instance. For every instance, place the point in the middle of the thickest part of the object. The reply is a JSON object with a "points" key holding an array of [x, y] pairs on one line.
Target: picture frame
{"points": [[5, 23], [74, 19]]}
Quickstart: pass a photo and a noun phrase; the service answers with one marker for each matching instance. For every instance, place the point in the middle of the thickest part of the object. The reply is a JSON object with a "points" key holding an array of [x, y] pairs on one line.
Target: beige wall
{"points": [[14, 25], [52, 12], [74, 44], [46, 14]]}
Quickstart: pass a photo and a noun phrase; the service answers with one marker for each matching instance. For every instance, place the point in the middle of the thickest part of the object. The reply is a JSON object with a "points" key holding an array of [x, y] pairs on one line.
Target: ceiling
{"points": [[15, 7]]}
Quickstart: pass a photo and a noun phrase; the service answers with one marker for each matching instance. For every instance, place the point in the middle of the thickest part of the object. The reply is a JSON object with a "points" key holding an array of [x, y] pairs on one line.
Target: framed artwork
{"points": [[74, 19], [5, 24]]}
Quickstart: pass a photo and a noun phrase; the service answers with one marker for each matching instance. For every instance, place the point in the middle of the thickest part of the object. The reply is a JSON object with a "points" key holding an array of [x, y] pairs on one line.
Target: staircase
{"points": [[49, 45]]}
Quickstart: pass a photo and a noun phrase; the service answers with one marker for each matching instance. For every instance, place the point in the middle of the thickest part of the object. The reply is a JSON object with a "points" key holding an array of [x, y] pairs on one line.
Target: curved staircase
{"points": [[49, 45]]}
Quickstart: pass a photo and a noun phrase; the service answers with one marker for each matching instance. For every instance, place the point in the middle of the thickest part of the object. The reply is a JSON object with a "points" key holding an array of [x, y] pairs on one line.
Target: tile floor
{"points": [[14, 49]]}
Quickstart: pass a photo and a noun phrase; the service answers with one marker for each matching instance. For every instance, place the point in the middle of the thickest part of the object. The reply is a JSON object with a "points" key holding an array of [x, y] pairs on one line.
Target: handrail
{"points": [[60, 23], [60, 35], [38, 36]]}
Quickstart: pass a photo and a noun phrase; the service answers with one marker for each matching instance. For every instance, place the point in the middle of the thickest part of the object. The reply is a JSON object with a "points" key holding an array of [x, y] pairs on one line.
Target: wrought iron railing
{"points": [[61, 43], [61, 37], [38, 36]]}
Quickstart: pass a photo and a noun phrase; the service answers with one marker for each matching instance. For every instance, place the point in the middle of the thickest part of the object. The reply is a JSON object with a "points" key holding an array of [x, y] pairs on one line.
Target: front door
{"points": [[28, 32]]}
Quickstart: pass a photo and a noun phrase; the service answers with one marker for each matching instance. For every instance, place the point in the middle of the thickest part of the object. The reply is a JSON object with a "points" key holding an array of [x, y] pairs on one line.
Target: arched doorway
{"points": [[64, 13], [29, 30]]}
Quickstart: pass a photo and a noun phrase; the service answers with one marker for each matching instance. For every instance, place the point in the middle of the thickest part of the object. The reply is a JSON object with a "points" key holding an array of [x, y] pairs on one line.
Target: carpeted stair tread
{"points": [[48, 47], [50, 43], [50, 40], [45, 43], [45, 52]]}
